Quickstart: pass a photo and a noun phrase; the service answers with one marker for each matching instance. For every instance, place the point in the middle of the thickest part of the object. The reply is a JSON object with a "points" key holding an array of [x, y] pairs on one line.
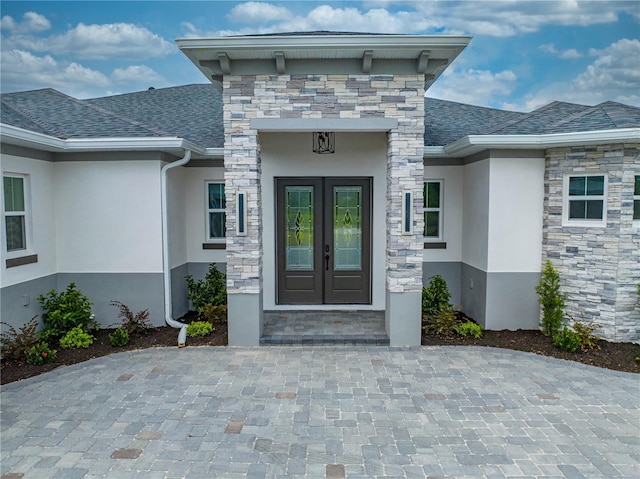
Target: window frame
{"points": [[440, 210], [207, 211], [566, 199], [26, 214], [636, 197]]}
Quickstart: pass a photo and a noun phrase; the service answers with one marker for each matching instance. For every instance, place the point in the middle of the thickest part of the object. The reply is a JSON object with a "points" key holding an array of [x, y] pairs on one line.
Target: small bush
{"points": [[435, 297], [214, 314], [39, 354], [16, 343], [469, 329], [199, 328], [137, 323], [567, 340], [119, 338], [442, 322], [551, 299], [587, 340], [64, 311], [211, 290], [76, 338]]}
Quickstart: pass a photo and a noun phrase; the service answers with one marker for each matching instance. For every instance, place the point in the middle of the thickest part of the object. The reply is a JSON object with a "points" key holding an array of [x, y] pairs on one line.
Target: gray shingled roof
{"points": [[194, 112], [62, 116]]}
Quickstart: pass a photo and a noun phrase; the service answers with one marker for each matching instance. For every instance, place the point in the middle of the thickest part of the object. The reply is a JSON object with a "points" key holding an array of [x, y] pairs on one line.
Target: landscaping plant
{"points": [[64, 311], [212, 290], [469, 328], [119, 337], [76, 338], [435, 297], [137, 323], [214, 314], [587, 340], [443, 322], [567, 340], [551, 299], [39, 354], [199, 328], [15, 344]]}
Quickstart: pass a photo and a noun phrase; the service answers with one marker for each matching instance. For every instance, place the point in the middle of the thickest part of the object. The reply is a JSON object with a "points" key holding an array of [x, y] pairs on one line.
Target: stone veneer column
{"points": [[324, 97], [405, 171], [599, 266], [242, 171]]}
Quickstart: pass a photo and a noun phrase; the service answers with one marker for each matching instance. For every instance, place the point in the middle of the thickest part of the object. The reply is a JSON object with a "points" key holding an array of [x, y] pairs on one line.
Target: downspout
{"points": [[166, 265]]}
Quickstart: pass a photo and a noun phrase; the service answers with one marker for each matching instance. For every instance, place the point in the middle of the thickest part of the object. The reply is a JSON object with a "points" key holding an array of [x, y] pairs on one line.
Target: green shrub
{"points": [[199, 328], [214, 314], [212, 290], [435, 297], [119, 338], [39, 354], [551, 299], [567, 340], [587, 340], [76, 338], [137, 323], [443, 322], [469, 329], [16, 343], [64, 311]]}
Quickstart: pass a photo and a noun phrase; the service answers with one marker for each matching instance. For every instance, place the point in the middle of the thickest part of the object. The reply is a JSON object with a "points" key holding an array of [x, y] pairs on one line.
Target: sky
{"points": [[523, 55]]}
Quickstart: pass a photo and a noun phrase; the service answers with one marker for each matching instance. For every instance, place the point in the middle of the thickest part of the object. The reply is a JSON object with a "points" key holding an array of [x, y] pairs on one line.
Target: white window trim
{"points": [[28, 236], [636, 223], [440, 237], [601, 223], [208, 210]]}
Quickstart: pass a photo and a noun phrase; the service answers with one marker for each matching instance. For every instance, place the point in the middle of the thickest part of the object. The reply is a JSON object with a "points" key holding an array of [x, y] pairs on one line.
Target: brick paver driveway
{"points": [[322, 412]]}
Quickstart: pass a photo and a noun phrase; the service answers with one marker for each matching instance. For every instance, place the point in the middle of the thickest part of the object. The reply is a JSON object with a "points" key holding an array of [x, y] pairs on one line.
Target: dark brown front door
{"points": [[323, 240]]}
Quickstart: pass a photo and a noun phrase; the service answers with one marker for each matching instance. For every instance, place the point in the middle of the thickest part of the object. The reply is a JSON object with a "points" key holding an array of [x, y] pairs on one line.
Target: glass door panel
{"points": [[299, 227], [347, 228]]}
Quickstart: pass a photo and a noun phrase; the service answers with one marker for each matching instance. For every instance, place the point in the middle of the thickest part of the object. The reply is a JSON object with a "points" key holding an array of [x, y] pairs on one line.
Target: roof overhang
{"points": [[472, 144], [173, 145], [428, 55]]}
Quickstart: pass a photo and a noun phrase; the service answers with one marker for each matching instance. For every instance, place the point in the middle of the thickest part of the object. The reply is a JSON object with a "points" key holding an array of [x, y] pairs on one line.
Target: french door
{"points": [[323, 236]]}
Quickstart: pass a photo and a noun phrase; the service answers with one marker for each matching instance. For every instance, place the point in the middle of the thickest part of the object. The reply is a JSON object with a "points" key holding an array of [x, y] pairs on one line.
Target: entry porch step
{"points": [[324, 327]]}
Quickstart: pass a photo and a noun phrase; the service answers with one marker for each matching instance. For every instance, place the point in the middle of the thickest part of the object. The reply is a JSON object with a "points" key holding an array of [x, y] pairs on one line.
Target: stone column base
{"points": [[403, 318], [245, 319]]}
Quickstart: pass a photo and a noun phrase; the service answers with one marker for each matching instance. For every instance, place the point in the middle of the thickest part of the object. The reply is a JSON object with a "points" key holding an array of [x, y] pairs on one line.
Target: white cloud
{"points": [[32, 22], [258, 12], [614, 75], [97, 42], [488, 88], [138, 74], [22, 70], [569, 54]]}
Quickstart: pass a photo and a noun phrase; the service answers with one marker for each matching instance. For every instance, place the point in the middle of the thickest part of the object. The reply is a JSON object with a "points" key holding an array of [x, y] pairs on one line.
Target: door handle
{"points": [[326, 262]]}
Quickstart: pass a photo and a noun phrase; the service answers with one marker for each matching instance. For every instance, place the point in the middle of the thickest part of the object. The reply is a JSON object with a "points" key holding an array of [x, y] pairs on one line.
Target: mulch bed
{"points": [[616, 356]]}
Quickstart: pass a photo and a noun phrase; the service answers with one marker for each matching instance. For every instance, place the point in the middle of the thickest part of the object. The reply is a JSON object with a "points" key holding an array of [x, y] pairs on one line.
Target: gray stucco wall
{"points": [[14, 311]]}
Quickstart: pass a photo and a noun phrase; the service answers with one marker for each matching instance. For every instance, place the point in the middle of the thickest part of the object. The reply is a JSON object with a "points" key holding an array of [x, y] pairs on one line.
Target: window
{"points": [[585, 202], [216, 216], [15, 213], [636, 199], [433, 209]]}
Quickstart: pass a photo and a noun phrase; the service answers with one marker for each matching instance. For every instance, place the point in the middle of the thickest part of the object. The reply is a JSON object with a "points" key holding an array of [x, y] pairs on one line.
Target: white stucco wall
{"points": [[516, 201], [176, 206], [42, 226], [108, 216], [196, 179], [452, 211], [475, 217], [357, 154]]}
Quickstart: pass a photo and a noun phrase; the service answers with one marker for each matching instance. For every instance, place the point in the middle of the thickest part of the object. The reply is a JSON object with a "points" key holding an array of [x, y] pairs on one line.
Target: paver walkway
{"points": [[322, 411]]}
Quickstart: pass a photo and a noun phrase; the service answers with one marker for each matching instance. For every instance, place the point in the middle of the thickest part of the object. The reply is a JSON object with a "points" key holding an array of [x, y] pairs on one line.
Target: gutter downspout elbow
{"points": [[166, 265]]}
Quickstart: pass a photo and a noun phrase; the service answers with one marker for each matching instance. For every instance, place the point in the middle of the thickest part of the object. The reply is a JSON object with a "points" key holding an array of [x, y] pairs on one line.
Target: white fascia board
{"points": [[214, 153], [21, 137], [340, 42], [474, 143]]}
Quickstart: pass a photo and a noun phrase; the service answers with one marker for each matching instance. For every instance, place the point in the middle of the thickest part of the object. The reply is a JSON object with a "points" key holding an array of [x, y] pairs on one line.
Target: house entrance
{"points": [[323, 237]]}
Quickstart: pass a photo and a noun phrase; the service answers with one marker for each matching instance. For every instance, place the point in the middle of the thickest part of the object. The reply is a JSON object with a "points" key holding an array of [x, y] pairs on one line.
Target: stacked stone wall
{"points": [[323, 97], [599, 266]]}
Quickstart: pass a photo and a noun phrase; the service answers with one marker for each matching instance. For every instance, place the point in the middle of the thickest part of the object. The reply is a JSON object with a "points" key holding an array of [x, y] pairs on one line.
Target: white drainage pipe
{"points": [[166, 265]]}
